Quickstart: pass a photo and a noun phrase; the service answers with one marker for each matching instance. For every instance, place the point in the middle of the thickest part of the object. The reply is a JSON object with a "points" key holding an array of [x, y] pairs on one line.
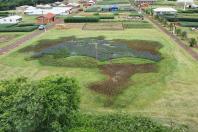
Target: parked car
{"points": [[41, 27]]}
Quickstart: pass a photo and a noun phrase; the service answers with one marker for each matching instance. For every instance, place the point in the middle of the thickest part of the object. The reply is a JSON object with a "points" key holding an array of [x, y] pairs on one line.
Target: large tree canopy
{"points": [[46, 105]]}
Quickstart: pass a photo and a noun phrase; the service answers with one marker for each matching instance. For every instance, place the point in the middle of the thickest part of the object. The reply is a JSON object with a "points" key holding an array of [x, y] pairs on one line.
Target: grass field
{"points": [[169, 94]]}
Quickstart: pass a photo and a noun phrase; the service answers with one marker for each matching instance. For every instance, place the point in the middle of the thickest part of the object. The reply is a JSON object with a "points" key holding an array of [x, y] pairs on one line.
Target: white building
{"points": [[164, 10], [11, 20], [53, 10]]}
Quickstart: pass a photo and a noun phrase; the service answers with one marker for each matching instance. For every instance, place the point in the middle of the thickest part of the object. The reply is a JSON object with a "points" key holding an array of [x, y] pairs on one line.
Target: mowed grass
{"points": [[170, 94]]}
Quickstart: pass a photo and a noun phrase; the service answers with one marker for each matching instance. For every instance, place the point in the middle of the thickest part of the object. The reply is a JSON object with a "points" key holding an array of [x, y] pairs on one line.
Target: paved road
{"points": [[175, 38], [25, 39]]}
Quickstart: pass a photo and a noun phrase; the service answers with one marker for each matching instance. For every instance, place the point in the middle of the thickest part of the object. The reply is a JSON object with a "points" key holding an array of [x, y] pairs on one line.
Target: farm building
{"points": [[45, 19], [110, 8], [164, 10], [11, 20], [139, 2]]}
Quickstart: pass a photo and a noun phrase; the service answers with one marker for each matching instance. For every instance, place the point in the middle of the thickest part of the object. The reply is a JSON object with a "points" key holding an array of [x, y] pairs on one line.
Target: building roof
{"points": [[165, 9], [15, 17], [183, 1]]}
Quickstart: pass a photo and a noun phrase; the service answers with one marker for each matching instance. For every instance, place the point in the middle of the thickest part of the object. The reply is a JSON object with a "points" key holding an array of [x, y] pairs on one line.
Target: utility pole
{"points": [[96, 47]]}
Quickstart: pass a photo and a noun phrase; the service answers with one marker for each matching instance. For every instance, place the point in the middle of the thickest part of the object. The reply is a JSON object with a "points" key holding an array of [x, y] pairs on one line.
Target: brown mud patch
{"points": [[141, 45], [118, 77]]}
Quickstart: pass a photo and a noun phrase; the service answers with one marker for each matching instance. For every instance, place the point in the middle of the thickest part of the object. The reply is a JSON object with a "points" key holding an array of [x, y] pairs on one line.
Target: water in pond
{"points": [[97, 48]]}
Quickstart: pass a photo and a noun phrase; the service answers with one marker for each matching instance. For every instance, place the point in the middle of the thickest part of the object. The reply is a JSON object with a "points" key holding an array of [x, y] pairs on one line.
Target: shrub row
{"points": [[26, 24], [92, 9], [4, 14], [189, 24], [131, 25], [80, 19], [107, 17], [188, 11], [175, 19], [121, 123], [18, 29]]}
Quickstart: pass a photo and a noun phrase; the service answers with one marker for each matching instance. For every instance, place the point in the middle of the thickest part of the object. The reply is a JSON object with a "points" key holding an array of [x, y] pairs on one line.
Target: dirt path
{"points": [[25, 39], [175, 38]]}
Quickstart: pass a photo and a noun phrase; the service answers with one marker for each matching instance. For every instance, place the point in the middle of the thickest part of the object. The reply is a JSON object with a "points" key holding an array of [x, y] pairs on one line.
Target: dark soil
{"points": [[118, 77], [142, 45]]}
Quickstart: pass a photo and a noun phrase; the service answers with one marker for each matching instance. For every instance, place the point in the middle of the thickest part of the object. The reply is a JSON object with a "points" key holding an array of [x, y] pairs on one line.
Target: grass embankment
{"points": [[169, 95]]}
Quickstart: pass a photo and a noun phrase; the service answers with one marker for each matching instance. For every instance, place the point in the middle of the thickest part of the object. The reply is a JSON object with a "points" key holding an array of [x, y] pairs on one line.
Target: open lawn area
{"points": [[168, 93]]}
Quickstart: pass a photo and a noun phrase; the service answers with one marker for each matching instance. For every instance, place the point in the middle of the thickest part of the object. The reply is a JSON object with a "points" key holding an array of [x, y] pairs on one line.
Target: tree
{"points": [[164, 21], [193, 42], [178, 31], [46, 105], [184, 35]]}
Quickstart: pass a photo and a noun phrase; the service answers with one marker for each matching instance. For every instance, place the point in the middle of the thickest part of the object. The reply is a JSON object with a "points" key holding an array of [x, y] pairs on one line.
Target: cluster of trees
{"points": [[12, 4], [52, 105], [179, 32], [45, 105], [184, 36]]}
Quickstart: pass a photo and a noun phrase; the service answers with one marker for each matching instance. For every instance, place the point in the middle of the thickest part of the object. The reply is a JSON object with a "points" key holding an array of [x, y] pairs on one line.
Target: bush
{"points": [[178, 31], [121, 123], [79, 19], [46, 105], [193, 42], [184, 35]]}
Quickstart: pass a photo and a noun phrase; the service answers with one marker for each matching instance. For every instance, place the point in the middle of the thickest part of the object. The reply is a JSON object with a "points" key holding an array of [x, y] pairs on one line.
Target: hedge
{"points": [[189, 24], [107, 17], [19, 29], [92, 9], [189, 11], [175, 19], [26, 27], [26, 24], [131, 25], [4, 14], [79, 19]]}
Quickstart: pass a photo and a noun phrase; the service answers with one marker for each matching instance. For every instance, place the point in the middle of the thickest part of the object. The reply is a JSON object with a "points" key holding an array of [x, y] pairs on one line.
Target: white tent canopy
{"points": [[185, 1], [164, 10]]}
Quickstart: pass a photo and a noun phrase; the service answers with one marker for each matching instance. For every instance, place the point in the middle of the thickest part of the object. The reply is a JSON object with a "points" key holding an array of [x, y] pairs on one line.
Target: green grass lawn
{"points": [[168, 95]]}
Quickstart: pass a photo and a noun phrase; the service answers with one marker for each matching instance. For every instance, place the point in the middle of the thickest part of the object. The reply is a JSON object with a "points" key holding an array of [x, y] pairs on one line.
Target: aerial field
{"points": [[162, 86]]}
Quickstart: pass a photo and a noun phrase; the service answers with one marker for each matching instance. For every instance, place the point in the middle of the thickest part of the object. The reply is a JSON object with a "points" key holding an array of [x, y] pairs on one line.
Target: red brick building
{"points": [[45, 19]]}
